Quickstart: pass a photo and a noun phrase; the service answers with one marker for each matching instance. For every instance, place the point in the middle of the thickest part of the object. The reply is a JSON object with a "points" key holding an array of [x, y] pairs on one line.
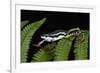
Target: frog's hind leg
{"points": [[81, 38], [39, 44]]}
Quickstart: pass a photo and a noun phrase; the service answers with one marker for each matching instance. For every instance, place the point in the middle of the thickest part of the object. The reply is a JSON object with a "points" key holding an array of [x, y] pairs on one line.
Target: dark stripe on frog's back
{"points": [[56, 36], [58, 32]]}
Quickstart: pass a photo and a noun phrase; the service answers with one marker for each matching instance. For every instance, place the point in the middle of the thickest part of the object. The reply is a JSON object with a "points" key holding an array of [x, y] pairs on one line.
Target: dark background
{"points": [[58, 20], [55, 20]]}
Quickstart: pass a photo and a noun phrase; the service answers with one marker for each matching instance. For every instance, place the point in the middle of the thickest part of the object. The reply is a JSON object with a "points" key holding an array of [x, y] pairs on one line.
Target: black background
{"points": [[58, 20], [55, 20]]}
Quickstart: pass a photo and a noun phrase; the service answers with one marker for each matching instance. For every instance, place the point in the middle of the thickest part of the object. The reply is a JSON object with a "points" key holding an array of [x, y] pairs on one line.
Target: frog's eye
{"points": [[45, 36]]}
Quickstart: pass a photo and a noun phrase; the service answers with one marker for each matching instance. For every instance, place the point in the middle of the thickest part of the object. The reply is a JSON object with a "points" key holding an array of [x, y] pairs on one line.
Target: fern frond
{"points": [[45, 53], [26, 36], [23, 23], [50, 48], [81, 46], [41, 56], [62, 49]]}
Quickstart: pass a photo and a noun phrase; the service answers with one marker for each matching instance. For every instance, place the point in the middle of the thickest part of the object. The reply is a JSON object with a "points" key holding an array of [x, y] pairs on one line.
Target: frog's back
{"points": [[58, 32]]}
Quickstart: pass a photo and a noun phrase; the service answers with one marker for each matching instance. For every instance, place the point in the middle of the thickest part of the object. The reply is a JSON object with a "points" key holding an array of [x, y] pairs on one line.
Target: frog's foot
{"points": [[36, 45], [81, 38], [39, 44]]}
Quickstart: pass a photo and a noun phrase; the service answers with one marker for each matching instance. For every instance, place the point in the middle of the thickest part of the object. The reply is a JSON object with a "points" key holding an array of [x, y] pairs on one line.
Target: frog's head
{"points": [[44, 36]]}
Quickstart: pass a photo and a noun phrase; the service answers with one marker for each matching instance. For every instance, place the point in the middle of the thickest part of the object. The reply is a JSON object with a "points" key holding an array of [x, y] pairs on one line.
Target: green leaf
{"points": [[26, 36], [81, 46], [62, 49], [24, 23], [45, 53], [41, 56]]}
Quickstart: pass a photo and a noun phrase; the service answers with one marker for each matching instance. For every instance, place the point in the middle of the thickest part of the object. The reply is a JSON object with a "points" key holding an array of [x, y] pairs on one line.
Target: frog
{"points": [[58, 35]]}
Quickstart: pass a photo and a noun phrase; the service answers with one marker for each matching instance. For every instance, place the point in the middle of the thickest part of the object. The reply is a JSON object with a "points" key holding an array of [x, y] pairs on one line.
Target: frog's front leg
{"points": [[39, 44]]}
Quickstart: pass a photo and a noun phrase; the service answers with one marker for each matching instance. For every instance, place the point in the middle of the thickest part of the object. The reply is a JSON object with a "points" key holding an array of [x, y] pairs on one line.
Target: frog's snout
{"points": [[43, 37]]}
